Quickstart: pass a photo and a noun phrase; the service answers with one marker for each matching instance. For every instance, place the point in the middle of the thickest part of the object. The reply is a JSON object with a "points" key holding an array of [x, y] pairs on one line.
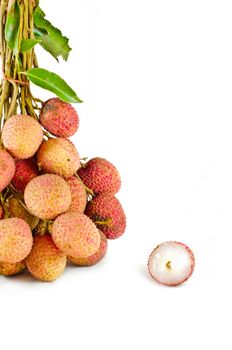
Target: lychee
{"points": [[78, 194], [1, 213], [100, 176], [47, 196], [22, 135], [17, 210], [76, 235], [7, 269], [107, 213], [15, 240], [95, 258], [45, 262], [58, 156], [171, 263], [26, 170], [59, 118], [7, 169]]}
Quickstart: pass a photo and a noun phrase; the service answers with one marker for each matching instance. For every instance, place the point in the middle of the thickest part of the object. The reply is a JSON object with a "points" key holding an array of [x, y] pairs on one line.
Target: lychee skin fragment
{"points": [[15, 240], [100, 176], [171, 263], [45, 262], [59, 118], [47, 196], [78, 194], [76, 235], [21, 136], [7, 169], [58, 156], [107, 212], [26, 170], [95, 258], [16, 210], [7, 269]]}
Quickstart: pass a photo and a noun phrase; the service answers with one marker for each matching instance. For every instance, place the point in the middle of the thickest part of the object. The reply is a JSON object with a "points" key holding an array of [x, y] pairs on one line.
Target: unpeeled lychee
{"points": [[59, 118], [107, 212], [26, 170], [45, 262], [17, 210], [47, 196], [100, 176], [7, 269], [95, 258], [76, 235], [78, 194], [171, 263], [22, 135], [15, 240], [58, 156], [7, 169]]}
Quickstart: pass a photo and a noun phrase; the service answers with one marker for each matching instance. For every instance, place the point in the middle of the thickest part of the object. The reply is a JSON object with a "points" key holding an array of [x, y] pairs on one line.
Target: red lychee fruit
{"points": [[59, 118], [7, 169], [171, 263], [7, 269], [100, 176], [26, 170], [78, 194], [107, 213]]}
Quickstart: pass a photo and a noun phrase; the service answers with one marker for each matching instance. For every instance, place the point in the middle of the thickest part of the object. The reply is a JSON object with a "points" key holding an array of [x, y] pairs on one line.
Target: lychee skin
{"points": [[78, 194], [1, 213], [16, 210], [58, 156], [76, 235], [59, 118], [171, 263], [47, 196], [26, 170], [100, 176], [107, 212], [7, 169], [7, 269], [15, 240], [95, 258], [45, 262], [21, 136]]}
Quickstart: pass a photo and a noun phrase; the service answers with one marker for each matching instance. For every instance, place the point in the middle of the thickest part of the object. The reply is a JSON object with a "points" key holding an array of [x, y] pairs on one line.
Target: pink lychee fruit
{"points": [[58, 156], [7, 169], [26, 170], [47, 196], [1, 213], [7, 269], [171, 263], [59, 118], [45, 262], [21, 136], [100, 176], [107, 213], [15, 240], [78, 194], [76, 235], [95, 258], [17, 210]]}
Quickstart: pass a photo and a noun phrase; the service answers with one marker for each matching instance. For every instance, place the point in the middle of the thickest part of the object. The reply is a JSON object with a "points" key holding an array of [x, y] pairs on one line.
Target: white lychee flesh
{"points": [[171, 263]]}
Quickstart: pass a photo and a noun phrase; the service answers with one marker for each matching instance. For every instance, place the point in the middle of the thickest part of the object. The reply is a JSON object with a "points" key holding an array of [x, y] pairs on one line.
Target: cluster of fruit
{"points": [[53, 205]]}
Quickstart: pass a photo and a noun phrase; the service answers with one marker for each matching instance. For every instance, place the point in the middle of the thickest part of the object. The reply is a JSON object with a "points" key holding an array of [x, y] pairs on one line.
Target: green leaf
{"points": [[51, 38], [28, 44], [12, 28], [52, 82]]}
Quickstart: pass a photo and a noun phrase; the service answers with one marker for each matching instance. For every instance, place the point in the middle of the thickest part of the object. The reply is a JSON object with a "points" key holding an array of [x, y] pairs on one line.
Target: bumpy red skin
{"points": [[1, 213], [26, 170], [59, 118], [78, 194], [100, 176], [7, 169], [107, 208]]}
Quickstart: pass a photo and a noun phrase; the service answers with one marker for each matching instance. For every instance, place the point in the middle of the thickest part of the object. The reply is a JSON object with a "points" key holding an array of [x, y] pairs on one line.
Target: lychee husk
{"points": [[78, 194], [7, 169], [25, 171], [7, 269], [17, 210]]}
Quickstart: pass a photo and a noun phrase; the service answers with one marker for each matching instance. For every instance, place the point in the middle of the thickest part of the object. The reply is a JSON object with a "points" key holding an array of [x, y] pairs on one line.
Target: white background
{"points": [[156, 78]]}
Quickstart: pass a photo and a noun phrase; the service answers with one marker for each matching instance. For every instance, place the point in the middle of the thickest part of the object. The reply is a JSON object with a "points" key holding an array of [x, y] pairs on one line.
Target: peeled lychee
{"points": [[15, 240], [76, 235], [95, 258], [22, 135], [47, 196], [7, 269], [1, 213], [45, 262], [100, 176], [58, 156], [59, 118], [78, 194], [17, 210], [107, 213], [26, 170], [171, 263], [7, 169]]}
